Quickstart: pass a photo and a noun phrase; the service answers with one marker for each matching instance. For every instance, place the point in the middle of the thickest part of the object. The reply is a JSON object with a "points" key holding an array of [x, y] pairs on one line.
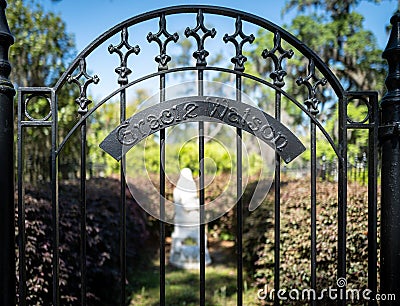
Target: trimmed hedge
{"points": [[102, 242], [295, 241], [103, 238]]}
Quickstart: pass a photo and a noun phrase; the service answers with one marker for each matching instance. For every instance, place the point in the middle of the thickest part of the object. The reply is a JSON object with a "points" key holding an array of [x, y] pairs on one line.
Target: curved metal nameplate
{"points": [[203, 108]]}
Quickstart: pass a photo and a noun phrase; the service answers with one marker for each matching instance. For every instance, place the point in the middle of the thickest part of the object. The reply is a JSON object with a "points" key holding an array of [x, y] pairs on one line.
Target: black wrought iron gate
{"points": [[315, 82]]}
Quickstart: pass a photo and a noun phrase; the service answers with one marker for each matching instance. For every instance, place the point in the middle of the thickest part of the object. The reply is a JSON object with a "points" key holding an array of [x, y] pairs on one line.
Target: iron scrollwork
{"points": [[239, 59], [312, 101], [83, 100], [278, 74], [361, 100], [32, 117], [163, 58], [201, 54], [123, 71]]}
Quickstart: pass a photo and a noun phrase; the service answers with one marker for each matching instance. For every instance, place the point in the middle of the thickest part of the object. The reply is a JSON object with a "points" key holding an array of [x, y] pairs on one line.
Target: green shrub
{"points": [[217, 157], [295, 236]]}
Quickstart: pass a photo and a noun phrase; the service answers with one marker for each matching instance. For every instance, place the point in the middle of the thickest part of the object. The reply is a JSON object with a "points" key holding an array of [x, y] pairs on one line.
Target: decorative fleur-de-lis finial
{"points": [[82, 100], [278, 74], [123, 71], [312, 101], [239, 59], [201, 53], [163, 58]]}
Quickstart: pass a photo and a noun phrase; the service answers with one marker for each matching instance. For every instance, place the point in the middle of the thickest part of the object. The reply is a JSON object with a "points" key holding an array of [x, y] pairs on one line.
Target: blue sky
{"points": [[87, 19], [90, 18]]}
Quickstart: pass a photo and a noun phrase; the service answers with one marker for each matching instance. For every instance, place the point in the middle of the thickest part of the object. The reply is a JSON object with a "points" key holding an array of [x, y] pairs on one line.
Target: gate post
{"points": [[389, 136], [7, 233]]}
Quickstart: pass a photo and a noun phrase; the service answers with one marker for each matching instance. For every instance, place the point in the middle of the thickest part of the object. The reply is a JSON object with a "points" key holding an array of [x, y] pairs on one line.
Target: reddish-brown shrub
{"points": [[102, 232]]}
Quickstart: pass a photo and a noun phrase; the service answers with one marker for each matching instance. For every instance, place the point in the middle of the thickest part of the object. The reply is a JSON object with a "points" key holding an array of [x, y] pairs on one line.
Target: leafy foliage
{"points": [[51, 47], [218, 159], [102, 261], [41, 52], [342, 42], [213, 151], [295, 252], [334, 30]]}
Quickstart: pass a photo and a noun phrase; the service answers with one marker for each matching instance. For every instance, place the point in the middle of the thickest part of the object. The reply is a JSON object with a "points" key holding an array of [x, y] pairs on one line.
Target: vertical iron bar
{"points": [[7, 230], [277, 200], [313, 210], [342, 197], [373, 198], [21, 208], [390, 177], [54, 202], [122, 209], [239, 205], [162, 199], [83, 214], [202, 199]]}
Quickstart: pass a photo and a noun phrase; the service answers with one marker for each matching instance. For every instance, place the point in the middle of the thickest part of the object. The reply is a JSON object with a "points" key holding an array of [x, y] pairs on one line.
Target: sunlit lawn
{"points": [[182, 286]]}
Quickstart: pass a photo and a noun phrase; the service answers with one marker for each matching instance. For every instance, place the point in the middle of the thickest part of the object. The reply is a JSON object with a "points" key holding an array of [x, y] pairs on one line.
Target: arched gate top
{"points": [[215, 10]]}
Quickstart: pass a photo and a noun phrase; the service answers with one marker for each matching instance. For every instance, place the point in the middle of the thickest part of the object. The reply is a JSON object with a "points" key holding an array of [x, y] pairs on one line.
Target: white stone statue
{"points": [[185, 250]]}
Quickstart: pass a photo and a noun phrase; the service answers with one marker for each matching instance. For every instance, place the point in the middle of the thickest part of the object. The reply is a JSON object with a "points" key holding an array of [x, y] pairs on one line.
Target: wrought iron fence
{"points": [[282, 48]]}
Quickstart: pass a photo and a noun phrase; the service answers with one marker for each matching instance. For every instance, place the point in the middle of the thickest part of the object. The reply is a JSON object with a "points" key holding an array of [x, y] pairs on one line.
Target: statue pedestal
{"points": [[185, 249]]}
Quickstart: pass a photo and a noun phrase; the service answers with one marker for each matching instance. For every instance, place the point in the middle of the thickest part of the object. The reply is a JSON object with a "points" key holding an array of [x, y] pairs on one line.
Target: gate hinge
{"points": [[389, 130]]}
